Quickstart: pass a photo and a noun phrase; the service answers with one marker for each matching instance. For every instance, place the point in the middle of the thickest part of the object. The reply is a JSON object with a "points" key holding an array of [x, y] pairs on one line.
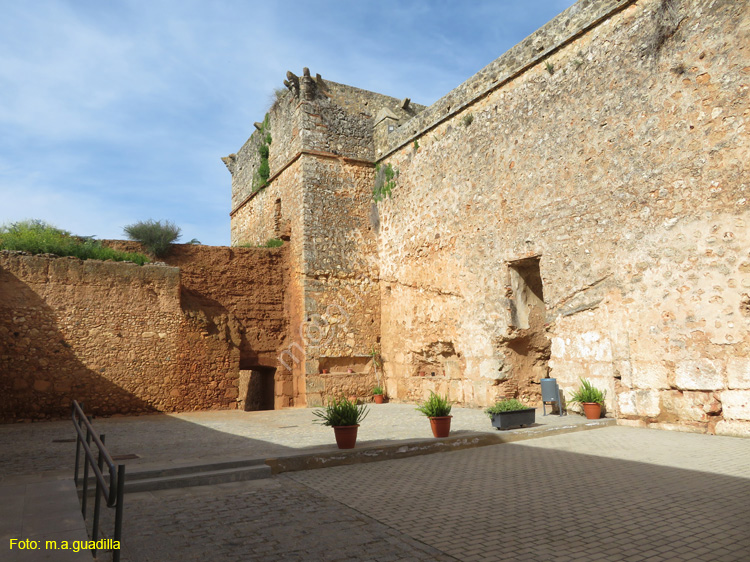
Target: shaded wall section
{"points": [[129, 339]]}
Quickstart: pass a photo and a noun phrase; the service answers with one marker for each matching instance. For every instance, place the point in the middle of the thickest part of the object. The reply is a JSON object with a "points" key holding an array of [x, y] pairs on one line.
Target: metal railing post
{"points": [[118, 510], [86, 473], [113, 490], [97, 501]]}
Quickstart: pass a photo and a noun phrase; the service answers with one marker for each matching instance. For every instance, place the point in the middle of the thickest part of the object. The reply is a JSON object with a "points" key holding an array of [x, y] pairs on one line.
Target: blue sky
{"points": [[115, 112]]}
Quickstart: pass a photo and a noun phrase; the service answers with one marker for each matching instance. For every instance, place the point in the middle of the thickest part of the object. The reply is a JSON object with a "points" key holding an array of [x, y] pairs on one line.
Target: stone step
{"points": [[187, 475], [201, 478]]}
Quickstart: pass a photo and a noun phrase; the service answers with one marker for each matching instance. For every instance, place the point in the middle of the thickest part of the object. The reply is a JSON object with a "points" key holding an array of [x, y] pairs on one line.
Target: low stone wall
{"points": [[128, 339], [111, 335]]}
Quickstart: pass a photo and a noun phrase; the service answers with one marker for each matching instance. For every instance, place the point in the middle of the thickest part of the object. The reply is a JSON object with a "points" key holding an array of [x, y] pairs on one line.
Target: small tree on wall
{"points": [[155, 236]]}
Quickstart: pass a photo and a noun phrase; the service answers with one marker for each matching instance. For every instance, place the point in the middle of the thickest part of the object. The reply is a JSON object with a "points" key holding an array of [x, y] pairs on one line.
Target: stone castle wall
{"points": [[130, 339], [318, 200], [615, 163]]}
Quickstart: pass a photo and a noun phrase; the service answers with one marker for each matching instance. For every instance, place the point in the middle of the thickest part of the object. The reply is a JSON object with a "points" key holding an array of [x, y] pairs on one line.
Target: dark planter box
{"points": [[517, 418]]}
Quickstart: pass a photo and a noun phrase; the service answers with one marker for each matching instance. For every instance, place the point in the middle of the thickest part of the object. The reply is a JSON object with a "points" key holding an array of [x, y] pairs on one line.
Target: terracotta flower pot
{"points": [[346, 435], [593, 410], [378, 398], [441, 426]]}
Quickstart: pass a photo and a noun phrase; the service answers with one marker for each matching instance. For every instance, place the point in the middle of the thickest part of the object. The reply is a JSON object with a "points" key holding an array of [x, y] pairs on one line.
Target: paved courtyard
{"points": [[614, 493]]}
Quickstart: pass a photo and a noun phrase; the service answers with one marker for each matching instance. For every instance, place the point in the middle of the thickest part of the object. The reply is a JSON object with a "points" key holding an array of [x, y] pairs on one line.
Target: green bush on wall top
{"points": [[155, 236], [38, 237]]}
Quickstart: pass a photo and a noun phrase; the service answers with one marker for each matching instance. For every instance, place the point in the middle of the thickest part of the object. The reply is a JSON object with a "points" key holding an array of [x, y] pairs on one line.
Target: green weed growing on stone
{"points": [[276, 96], [38, 237], [274, 243], [260, 178], [550, 67], [468, 119], [416, 145], [385, 181]]}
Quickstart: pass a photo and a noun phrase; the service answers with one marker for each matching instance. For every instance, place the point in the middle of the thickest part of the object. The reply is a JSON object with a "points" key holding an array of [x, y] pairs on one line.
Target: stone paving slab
{"points": [[173, 439], [611, 494], [615, 493], [41, 512], [264, 520]]}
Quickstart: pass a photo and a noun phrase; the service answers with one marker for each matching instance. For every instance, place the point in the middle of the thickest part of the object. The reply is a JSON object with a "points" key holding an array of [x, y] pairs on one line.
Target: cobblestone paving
{"points": [[610, 494], [275, 519], [538, 501]]}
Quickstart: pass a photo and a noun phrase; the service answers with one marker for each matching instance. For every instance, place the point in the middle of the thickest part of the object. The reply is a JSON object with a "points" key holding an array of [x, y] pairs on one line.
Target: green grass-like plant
{"points": [[435, 406], [260, 178], [467, 119], [38, 237], [274, 243], [341, 412], [155, 236], [385, 181], [588, 393], [506, 405], [377, 390]]}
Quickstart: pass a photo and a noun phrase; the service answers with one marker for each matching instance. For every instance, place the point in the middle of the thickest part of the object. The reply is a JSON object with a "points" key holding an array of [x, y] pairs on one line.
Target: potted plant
{"points": [[591, 398], [438, 409], [344, 416], [377, 394], [509, 413]]}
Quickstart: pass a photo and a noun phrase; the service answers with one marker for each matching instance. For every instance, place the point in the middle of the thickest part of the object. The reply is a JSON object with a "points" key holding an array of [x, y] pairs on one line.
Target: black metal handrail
{"points": [[112, 489]]}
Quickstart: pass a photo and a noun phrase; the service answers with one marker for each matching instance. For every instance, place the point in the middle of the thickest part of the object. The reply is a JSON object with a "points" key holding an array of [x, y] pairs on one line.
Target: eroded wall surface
{"points": [[130, 339], [110, 335], [618, 158], [318, 199]]}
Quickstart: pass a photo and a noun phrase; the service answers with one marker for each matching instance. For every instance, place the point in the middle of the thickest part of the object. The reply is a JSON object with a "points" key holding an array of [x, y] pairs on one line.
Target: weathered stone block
{"points": [[453, 369], [690, 405], [315, 383], [624, 368], [738, 373], [489, 368], [314, 400], [639, 403], [733, 428], [685, 427], [626, 403], [701, 374], [632, 423], [649, 375], [736, 404]]}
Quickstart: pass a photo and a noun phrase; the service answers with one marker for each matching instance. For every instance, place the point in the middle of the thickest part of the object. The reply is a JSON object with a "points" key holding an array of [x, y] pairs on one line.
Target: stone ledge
{"points": [[416, 447]]}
